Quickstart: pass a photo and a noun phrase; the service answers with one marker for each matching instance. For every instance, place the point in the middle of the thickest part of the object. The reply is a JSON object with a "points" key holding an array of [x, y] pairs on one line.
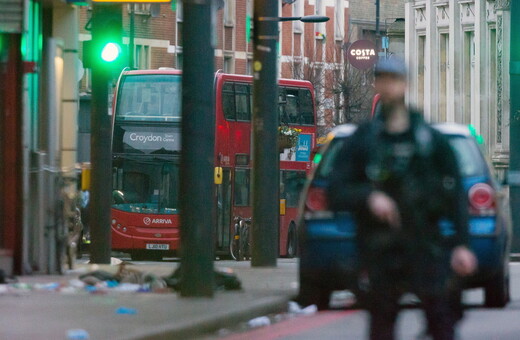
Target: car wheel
{"points": [[497, 290], [291, 241], [313, 294]]}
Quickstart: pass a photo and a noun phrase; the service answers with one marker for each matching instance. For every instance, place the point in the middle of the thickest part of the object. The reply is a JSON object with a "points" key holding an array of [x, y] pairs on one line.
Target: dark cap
{"points": [[395, 66]]}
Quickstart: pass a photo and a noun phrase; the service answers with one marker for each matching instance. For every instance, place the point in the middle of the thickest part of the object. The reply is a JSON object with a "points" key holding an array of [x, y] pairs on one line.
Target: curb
{"points": [[263, 306]]}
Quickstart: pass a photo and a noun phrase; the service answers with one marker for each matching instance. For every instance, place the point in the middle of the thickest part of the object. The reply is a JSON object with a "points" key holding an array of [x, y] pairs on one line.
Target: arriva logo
{"points": [[134, 137], [148, 221]]}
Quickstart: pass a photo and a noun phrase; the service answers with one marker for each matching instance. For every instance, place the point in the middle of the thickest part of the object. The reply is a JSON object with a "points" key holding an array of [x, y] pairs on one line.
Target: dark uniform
{"points": [[418, 170]]}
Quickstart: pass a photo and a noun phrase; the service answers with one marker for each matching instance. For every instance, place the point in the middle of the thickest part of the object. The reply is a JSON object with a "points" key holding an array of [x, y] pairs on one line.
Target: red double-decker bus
{"points": [[146, 159]]}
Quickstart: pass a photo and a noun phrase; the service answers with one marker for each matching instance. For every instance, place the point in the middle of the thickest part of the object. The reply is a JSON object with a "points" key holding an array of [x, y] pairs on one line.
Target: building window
{"points": [[229, 13], [249, 66], [179, 61], [141, 9], [320, 27], [420, 71], [250, 12], [228, 64], [142, 57], [444, 44], [468, 76], [339, 20], [179, 12], [298, 11], [492, 75]]}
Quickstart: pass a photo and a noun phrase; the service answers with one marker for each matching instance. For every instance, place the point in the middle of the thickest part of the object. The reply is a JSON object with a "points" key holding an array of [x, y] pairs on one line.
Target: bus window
{"points": [[291, 107], [242, 102], [228, 101], [291, 185], [136, 187], [242, 187], [150, 98], [306, 108]]}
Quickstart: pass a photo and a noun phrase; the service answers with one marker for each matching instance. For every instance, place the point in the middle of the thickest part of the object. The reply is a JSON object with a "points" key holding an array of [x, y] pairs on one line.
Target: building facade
{"points": [[39, 74], [458, 56]]}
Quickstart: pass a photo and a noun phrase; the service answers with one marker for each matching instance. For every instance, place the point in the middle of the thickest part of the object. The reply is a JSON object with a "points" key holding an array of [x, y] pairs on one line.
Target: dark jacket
{"points": [[418, 169]]}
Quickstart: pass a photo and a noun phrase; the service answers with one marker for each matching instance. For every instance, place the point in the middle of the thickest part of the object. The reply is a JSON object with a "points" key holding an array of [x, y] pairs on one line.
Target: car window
{"points": [[329, 157], [471, 161]]}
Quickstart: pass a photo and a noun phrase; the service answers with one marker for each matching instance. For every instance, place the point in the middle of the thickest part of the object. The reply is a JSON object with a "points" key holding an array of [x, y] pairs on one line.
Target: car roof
{"points": [[453, 129], [346, 130], [342, 131]]}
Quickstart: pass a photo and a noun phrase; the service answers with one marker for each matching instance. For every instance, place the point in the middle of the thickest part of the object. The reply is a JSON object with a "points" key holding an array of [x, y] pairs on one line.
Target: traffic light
{"points": [[106, 50]]}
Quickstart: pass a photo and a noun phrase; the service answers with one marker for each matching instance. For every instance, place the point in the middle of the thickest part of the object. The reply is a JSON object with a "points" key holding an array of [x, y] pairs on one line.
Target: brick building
{"points": [[307, 51]]}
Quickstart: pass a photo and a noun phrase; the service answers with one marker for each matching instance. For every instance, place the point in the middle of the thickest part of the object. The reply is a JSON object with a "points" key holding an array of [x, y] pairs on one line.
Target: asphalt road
{"points": [[479, 323]]}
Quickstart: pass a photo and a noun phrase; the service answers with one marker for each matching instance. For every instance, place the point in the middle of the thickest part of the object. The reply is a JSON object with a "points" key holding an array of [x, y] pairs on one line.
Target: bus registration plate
{"points": [[157, 246]]}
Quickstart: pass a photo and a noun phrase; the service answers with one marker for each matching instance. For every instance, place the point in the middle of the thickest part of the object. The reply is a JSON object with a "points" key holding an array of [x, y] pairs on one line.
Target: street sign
{"points": [[362, 54]]}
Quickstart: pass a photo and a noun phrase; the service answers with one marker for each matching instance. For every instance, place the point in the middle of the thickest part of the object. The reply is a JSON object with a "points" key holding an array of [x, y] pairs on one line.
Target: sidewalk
{"points": [[50, 314]]}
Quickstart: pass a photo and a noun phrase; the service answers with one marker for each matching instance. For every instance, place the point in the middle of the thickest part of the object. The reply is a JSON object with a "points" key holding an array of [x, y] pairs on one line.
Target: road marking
{"points": [[291, 327]]}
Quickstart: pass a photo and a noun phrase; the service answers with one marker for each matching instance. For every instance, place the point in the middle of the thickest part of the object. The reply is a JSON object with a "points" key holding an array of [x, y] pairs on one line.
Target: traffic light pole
{"points": [[100, 142], [198, 140], [266, 157], [514, 127]]}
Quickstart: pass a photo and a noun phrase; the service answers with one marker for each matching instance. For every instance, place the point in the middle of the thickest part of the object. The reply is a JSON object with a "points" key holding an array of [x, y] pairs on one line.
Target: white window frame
{"points": [[229, 13], [320, 9], [298, 11], [339, 20], [179, 12]]}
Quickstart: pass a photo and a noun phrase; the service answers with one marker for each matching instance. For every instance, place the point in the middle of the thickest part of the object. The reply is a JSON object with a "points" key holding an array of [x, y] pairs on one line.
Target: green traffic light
{"points": [[110, 52]]}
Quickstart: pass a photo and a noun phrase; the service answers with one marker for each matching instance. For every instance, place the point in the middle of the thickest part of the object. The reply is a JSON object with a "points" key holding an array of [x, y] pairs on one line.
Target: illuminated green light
{"points": [[475, 134], [317, 158], [110, 52]]}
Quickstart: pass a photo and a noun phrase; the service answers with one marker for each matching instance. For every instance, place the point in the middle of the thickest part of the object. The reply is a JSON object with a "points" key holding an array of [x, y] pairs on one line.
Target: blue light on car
{"points": [[447, 228], [477, 226], [482, 226]]}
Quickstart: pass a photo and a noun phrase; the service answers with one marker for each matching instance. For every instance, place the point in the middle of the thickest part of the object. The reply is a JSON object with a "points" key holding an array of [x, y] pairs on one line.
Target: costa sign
{"points": [[362, 54]]}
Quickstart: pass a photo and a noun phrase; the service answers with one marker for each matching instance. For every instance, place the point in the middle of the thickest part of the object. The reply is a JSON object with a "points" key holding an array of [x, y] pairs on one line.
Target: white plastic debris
{"points": [[77, 334], [76, 283], [259, 322], [114, 261], [127, 287], [309, 310], [295, 308]]}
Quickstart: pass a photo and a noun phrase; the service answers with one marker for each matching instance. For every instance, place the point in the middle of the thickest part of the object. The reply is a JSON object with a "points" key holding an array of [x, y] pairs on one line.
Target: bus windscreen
{"points": [[147, 97]]}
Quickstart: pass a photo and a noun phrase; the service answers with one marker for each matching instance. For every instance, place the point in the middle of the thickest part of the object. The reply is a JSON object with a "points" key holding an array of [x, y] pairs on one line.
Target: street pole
{"points": [[100, 142], [378, 5], [131, 38], [198, 140], [514, 127], [266, 159]]}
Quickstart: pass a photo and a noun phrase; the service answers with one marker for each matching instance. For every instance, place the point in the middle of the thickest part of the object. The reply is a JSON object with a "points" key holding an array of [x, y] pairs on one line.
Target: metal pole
{"points": [[198, 140], [100, 144], [266, 158], [514, 127], [377, 18], [131, 38]]}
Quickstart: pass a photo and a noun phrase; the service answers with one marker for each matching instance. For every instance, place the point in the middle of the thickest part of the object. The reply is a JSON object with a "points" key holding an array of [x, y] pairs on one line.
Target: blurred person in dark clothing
{"points": [[400, 179]]}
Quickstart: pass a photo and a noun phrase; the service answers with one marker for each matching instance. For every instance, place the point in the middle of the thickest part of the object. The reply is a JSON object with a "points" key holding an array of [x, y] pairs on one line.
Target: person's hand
{"points": [[463, 261], [384, 208]]}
